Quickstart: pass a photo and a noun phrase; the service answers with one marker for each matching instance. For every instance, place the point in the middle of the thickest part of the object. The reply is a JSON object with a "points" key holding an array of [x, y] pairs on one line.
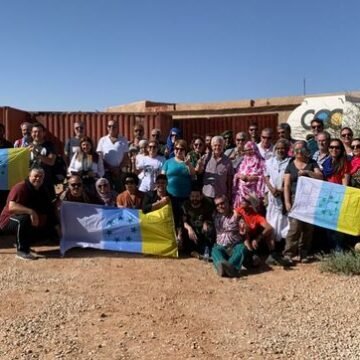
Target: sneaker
{"points": [[25, 255]]}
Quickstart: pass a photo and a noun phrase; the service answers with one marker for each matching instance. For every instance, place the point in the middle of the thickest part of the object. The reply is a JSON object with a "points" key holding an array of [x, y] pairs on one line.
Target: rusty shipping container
{"points": [[216, 125]]}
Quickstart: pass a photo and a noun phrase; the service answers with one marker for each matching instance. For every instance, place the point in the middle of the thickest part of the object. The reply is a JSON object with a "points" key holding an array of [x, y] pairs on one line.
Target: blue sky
{"points": [[88, 55]]}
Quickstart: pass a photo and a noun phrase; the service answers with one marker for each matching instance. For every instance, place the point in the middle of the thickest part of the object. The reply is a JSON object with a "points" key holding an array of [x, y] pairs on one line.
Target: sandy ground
{"points": [[102, 305]]}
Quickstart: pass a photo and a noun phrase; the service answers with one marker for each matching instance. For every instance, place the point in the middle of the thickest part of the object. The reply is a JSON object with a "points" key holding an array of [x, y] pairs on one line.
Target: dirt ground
{"points": [[102, 305]]}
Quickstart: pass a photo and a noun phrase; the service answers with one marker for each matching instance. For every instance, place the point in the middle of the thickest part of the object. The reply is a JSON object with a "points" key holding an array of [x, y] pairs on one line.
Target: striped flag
{"points": [[127, 230], [14, 166], [328, 205]]}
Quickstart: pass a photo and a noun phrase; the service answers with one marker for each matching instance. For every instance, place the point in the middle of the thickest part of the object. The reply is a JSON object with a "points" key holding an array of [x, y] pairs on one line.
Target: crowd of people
{"points": [[230, 193]]}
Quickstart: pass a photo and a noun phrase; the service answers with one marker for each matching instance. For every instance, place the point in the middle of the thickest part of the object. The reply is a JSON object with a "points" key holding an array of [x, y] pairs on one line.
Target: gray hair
{"points": [[217, 139]]}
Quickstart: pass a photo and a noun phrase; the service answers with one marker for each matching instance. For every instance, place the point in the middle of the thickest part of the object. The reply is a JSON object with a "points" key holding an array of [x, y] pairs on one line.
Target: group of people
{"points": [[230, 195]]}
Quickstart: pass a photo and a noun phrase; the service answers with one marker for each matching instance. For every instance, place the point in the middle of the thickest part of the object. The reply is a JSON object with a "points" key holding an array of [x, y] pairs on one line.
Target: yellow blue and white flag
{"points": [[14, 166], [328, 205], [127, 230]]}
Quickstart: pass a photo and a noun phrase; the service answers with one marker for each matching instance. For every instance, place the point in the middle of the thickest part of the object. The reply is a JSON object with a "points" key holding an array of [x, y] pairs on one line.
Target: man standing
{"points": [[228, 139], [43, 155], [138, 136], [198, 225], [229, 252], [218, 170], [254, 133], [317, 126], [114, 148], [26, 135], [72, 145], [265, 146], [323, 142], [29, 213]]}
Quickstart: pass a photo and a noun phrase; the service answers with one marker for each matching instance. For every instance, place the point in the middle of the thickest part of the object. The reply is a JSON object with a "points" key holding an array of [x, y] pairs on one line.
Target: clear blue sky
{"points": [[88, 55]]}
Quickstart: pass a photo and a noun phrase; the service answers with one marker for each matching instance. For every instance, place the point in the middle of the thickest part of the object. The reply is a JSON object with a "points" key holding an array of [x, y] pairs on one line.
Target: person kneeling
{"points": [[229, 252], [29, 213]]}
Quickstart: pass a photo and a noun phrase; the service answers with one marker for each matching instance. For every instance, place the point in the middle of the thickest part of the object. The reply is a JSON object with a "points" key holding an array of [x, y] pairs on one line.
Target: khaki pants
{"points": [[299, 238]]}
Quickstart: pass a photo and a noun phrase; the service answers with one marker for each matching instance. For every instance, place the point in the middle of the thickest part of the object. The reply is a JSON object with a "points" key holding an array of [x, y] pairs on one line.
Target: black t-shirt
{"points": [[293, 171]]}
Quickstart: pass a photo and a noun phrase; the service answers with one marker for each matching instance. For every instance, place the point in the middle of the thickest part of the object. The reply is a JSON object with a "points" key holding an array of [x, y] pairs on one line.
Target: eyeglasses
{"points": [[266, 137], [179, 149], [357, 146], [198, 144], [220, 204], [76, 185], [316, 127], [333, 147], [242, 139], [299, 150], [346, 135]]}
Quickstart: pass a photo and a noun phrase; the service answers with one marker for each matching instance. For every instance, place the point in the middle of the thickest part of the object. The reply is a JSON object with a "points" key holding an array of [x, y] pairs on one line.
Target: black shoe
{"points": [[25, 255], [230, 270]]}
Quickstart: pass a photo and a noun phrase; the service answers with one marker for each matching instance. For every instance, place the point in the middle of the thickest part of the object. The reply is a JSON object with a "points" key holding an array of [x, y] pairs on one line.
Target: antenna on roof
{"points": [[304, 86]]}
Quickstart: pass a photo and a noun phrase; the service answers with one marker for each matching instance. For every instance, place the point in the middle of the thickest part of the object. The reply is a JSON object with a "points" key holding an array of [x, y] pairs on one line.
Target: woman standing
{"points": [[249, 177], [274, 179], [299, 237], [149, 167], [198, 148], [346, 135], [355, 164], [179, 173], [87, 164], [336, 169]]}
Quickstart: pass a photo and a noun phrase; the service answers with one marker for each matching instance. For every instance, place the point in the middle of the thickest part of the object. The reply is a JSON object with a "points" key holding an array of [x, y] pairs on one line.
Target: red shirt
{"points": [[336, 178], [252, 219]]}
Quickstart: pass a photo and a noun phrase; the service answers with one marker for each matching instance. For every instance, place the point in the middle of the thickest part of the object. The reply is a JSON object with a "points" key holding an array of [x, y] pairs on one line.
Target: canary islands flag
{"points": [[14, 166], [328, 205], [127, 230]]}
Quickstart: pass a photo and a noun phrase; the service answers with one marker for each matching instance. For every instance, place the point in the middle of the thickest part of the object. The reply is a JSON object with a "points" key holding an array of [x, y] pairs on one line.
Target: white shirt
{"points": [[113, 153], [266, 153], [78, 163], [275, 169], [150, 169]]}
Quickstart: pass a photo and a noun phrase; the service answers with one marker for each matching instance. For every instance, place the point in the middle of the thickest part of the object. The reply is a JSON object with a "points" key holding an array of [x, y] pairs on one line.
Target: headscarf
{"points": [[169, 144], [252, 164], [108, 198]]}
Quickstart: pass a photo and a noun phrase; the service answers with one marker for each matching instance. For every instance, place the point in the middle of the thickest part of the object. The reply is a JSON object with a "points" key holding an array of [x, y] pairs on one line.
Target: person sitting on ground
{"points": [[198, 230], [229, 252], [131, 197], [260, 232], [29, 213], [157, 198], [26, 139], [105, 194]]}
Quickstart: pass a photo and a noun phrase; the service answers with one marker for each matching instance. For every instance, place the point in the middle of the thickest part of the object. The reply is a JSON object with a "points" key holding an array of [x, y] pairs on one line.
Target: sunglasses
{"points": [[281, 132], [252, 129], [103, 186], [242, 139], [357, 146], [76, 185], [299, 150], [79, 128], [198, 144], [112, 126], [179, 149], [332, 147], [152, 146], [138, 130], [155, 134], [220, 204], [266, 137], [316, 127], [129, 182], [346, 135], [280, 148]]}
